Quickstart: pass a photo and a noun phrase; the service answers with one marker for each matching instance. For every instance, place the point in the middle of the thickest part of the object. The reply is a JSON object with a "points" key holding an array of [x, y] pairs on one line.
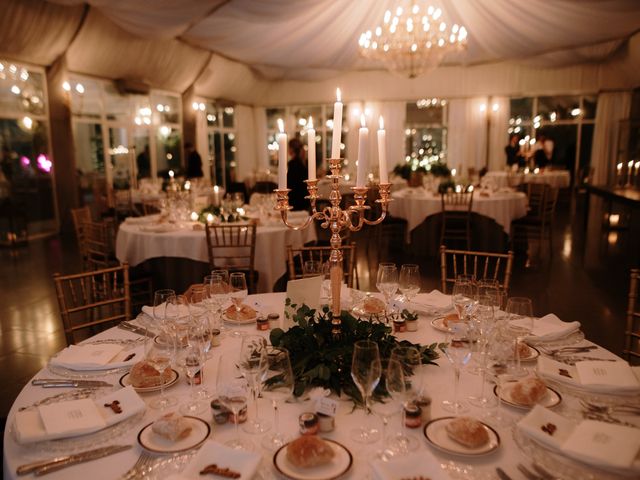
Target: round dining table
{"points": [[141, 239], [416, 204], [437, 382], [553, 178]]}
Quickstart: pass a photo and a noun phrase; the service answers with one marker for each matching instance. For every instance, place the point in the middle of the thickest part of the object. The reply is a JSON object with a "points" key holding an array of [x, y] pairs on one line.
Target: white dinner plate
{"points": [[240, 322], [340, 464], [550, 399], [438, 323], [532, 354], [124, 381], [151, 441], [436, 434]]}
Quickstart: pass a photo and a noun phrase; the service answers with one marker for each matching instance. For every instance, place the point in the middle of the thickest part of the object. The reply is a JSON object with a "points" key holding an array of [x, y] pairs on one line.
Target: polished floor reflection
{"points": [[596, 296]]}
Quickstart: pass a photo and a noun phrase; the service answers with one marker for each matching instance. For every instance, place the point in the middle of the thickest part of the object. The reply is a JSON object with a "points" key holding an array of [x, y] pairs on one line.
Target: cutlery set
{"points": [[605, 413], [58, 463], [130, 327]]}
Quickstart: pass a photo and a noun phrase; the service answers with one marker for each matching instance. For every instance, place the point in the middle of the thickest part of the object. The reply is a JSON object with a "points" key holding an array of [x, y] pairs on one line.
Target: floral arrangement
{"points": [[406, 169], [319, 359]]}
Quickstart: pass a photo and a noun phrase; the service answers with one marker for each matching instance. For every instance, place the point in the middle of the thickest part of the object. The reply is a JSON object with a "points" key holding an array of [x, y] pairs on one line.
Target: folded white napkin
{"points": [[90, 357], [429, 301], [423, 464], [597, 443], [550, 327], [75, 417], [593, 376], [183, 310], [241, 461], [142, 220]]}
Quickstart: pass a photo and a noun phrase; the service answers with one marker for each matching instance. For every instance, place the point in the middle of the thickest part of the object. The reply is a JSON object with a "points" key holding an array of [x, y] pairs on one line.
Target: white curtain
{"points": [[612, 107], [245, 142], [467, 134], [260, 138], [498, 136]]}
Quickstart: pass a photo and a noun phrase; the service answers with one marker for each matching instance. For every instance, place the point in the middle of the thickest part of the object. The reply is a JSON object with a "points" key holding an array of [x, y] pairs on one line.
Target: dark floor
{"points": [[30, 328]]}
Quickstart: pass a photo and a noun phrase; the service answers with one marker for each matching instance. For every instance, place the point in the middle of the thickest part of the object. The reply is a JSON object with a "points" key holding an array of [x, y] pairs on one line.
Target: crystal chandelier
{"points": [[412, 40]]}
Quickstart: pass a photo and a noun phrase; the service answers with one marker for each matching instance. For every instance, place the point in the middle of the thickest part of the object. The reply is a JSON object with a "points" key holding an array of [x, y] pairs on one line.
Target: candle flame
{"points": [[381, 120], [619, 167], [281, 125], [216, 188], [363, 120], [310, 122], [338, 95], [630, 164]]}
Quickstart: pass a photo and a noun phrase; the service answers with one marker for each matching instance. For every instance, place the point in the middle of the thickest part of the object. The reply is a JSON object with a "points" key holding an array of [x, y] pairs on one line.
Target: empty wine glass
{"points": [[237, 293], [485, 320], [462, 297], [160, 356], [233, 392], [387, 281], [411, 361], [192, 361], [409, 280], [253, 365], [277, 386], [219, 292], [365, 372], [178, 319], [457, 349], [160, 298], [311, 268], [501, 351], [394, 383], [520, 317]]}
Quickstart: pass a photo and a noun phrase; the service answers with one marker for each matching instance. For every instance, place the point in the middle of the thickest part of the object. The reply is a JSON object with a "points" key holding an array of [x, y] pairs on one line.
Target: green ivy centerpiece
{"points": [[319, 359]]}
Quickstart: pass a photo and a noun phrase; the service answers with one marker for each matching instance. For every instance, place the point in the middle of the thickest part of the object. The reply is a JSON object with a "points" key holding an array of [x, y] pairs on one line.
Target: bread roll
{"points": [[309, 451], [245, 313], [172, 426], [451, 318], [528, 391], [373, 305], [468, 432], [143, 375]]}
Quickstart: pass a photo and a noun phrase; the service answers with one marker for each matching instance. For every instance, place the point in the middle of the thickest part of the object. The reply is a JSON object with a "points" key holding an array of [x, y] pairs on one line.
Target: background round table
{"points": [[553, 178]]}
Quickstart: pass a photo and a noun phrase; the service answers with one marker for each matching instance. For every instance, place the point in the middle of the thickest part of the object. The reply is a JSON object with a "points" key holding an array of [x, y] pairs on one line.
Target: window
{"points": [[426, 132], [221, 133], [567, 120], [26, 183]]}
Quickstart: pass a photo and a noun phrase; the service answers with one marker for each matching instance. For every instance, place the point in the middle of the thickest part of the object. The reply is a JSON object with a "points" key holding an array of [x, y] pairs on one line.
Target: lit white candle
{"points": [[194, 217], [382, 153], [337, 126], [311, 149], [209, 218], [637, 167], [171, 174], [282, 156], [216, 196], [363, 161]]}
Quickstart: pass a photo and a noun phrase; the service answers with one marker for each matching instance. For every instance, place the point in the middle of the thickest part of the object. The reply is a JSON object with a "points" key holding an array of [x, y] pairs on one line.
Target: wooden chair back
{"points": [[456, 216], [297, 256], [93, 300], [481, 265], [99, 245], [632, 330], [80, 216], [233, 247]]}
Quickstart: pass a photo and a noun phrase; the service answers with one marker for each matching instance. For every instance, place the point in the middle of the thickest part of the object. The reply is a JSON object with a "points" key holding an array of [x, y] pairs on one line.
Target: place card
{"points": [[73, 417], [615, 374], [303, 291], [327, 406]]}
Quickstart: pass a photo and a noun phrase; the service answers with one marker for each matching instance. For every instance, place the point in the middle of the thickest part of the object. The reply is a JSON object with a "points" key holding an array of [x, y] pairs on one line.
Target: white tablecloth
{"points": [[439, 384], [135, 246], [416, 204], [554, 178]]}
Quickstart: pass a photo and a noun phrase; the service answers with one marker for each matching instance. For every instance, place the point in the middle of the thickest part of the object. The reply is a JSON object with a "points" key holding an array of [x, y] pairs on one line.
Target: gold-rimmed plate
{"points": [[152, 442], [550, 399], [436, 434], [125, 382], [339, 465]]}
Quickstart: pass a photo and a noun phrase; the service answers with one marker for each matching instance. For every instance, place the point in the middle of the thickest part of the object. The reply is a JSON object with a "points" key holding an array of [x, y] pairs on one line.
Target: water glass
{"points": [[520, 317], [253, 365], [277, 386], [387, 280], [366, 370], [409, 281], [233, 392], [457, 349]]}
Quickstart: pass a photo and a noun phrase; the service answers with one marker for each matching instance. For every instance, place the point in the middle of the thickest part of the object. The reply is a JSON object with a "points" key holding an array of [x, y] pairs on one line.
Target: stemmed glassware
{"points": [[485, 319], [409, 280], [311, 268], [277, 386], [160, 298], [192, 361], [237, 293], [387, 281], [394, 382], [410, 360], [365, 372], [253, 365], [160, 355], [501, 348], [233, 392], [457, 349], [463, 296], [520, 317], [219, 292]]}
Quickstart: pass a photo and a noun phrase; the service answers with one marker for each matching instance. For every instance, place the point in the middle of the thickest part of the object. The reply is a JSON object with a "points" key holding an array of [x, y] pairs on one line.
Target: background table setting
{"points": [[590, 395], [502, 179]]}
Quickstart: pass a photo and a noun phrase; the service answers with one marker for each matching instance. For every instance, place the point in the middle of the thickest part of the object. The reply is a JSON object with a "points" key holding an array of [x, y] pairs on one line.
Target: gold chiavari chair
{"points": [[481, 265], [99, 245], [93, 300], [456, 217], [538, 223], [297, 256], [80, 216], [632, 330]]}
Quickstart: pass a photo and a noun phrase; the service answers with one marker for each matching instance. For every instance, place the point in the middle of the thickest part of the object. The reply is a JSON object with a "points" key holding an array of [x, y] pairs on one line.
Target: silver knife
{"points": [[501, 473], [57, 383], [76, 458], [135, 329]]}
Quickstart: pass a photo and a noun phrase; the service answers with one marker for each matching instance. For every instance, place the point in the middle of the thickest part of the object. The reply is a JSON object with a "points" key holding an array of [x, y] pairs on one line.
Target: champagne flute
{"points": [[160, 298], [219, 292], [387, 281], [411, 361], [458, 352], [520, 316], [365, 372], [233, 393], [238, 293], [409, 280], [253, 365], [277, 386], [160, 356], [485, 318], [394, 382], [192, 361]]}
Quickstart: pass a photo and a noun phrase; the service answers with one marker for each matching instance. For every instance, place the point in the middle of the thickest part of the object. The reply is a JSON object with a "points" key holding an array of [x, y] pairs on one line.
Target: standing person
{"points": [[514, 157], [194, 162], [539, 155], [143, 161], [296, 175]]}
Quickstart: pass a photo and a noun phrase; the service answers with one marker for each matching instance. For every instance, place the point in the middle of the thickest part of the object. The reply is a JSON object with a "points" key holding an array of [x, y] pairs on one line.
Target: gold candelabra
{"points": [[336, 219]]}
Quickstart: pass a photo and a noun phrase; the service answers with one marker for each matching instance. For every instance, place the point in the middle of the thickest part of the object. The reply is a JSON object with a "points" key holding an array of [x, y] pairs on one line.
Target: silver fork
{"points": [[138, 468], [629, 409]]}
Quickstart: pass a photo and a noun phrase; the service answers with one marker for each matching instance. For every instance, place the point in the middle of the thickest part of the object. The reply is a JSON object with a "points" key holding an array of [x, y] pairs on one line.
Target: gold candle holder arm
{"points": [[282, 205]]}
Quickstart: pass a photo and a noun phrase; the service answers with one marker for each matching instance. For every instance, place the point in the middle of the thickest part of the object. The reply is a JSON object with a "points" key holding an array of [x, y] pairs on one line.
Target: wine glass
{"points": [[160, 298], [387, 280], [501, 351], [484, 317], [458, 352], [178, 319], [411, 361], [520, 317], [199, 313], [219, 292], [253, 365], [462, 297], [409, 280], [311, 268], [277, 386], [233, 392], [160, 355], [394, 383], [192, 361], [237, 293], [365, 372]]}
